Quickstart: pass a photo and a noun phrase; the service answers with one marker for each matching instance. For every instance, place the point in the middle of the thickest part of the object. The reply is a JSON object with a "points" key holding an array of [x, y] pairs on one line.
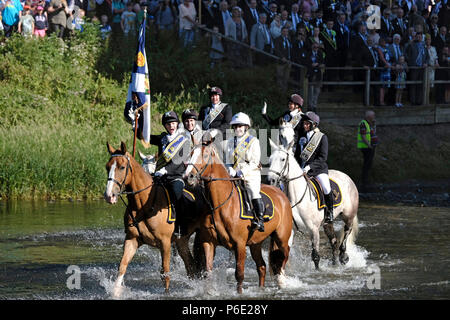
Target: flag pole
{"points": [[136, 112]]}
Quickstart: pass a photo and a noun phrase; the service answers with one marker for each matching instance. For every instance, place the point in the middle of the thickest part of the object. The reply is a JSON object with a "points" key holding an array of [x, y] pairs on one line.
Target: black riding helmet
{"points": [[189, 114], [170, 116]]}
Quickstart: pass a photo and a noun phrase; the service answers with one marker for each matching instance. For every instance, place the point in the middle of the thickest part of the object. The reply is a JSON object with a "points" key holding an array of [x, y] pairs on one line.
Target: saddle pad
{"points": [[246, 211], [335, 190], [186, 194]]}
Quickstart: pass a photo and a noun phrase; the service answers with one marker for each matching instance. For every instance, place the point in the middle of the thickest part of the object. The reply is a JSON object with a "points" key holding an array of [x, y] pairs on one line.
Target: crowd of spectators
{"points": [[405, 37]]}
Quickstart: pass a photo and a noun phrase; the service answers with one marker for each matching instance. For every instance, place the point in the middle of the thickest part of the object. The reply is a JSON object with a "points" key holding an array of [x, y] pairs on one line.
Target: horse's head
{"points": [[200, 161], [148, 162], [119, 172], [287, 134], [279, 162]]}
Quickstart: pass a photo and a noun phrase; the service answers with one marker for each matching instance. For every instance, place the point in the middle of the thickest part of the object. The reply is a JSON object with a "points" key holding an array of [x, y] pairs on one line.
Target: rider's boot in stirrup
{"points": [[258, 222], [329, 208]]}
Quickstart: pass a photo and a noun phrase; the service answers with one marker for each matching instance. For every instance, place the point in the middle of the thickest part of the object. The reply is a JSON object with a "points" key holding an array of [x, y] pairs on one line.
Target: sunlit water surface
{"points": [[401, 253]]}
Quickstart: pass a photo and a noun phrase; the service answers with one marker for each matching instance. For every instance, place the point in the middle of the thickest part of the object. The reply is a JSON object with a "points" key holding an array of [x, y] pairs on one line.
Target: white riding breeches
{"points": [[324, 182], [253, 188]]}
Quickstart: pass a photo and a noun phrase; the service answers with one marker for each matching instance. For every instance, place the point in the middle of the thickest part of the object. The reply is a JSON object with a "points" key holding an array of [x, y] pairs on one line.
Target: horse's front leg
{"points": [[240, 253], [165, 250], [130, 247]]}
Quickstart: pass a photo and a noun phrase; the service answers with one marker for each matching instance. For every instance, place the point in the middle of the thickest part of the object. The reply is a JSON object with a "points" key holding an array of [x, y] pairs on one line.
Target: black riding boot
{"points": [[329, 208], [258, 222]]}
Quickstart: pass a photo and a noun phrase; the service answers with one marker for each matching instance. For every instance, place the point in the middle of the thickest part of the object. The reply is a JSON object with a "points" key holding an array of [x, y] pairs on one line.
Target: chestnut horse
{"points": [[146, 216], [223, 226]]}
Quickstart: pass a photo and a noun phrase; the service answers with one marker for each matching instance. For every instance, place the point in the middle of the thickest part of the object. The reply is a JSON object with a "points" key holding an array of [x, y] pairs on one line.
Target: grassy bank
{"points": [[60, 103]]}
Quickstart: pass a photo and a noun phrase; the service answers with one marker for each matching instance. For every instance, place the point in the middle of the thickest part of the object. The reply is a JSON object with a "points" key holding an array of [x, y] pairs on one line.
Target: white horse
{"points": [[284, 168], [148, 162]]}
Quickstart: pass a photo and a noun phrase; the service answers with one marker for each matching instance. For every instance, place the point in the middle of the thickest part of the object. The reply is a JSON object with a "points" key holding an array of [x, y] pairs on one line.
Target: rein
{"points": [[199, 176]]}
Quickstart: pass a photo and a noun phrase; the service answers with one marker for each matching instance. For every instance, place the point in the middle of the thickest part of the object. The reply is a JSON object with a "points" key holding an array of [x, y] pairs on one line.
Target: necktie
{"points": [[254, 14], [397, 52]]}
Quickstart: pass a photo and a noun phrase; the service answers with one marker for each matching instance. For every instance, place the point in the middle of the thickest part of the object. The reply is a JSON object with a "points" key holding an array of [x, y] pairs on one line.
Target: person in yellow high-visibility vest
{"points": [[367, 141]]}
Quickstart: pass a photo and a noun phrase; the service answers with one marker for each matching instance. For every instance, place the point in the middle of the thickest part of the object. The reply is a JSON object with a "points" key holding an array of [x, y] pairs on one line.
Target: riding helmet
{"points": [[189, 114], [311, 117], [240, 118], [215, 90], [297, 99], [170, 116]]}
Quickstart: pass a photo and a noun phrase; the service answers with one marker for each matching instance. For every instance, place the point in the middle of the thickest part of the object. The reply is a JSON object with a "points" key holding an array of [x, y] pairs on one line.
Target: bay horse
{"points": [[285, 168], [223, 226], [146, 216]]}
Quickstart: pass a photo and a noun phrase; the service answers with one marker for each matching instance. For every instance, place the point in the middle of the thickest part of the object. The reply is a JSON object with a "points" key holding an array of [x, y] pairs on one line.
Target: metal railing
{"points": [[367, 83]]}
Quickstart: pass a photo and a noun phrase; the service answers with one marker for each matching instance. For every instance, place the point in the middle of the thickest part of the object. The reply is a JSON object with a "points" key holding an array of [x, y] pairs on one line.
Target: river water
{"points": [[402, 252]]}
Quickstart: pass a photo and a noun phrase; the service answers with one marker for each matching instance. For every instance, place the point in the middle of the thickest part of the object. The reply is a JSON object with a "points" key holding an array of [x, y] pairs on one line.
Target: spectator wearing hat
{"points": [[174, 150], [217, 114], [41, 22]]}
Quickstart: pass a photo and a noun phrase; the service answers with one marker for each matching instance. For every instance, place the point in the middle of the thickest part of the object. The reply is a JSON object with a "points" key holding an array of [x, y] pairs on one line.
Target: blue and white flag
{"points": [[140, 85]]}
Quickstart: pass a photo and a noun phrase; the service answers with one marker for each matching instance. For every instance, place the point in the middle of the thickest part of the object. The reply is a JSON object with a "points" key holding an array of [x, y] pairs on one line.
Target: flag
{"points": [[140, 85]]}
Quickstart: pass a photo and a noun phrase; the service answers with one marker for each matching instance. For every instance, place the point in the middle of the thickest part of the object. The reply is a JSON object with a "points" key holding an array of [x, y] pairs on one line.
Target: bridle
{"points": [[121, 185], [284, 180], [199, 177]]}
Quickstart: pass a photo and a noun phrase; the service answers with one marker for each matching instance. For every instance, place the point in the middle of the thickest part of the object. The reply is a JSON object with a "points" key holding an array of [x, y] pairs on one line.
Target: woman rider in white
{"points": [[243, 155]]}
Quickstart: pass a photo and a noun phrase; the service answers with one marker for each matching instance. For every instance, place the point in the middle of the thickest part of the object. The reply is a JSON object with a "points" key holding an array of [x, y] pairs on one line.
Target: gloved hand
{"points": [[306, 169], [239, 174], [131, 114], [231, 171], [160, 172], [264, 109]]}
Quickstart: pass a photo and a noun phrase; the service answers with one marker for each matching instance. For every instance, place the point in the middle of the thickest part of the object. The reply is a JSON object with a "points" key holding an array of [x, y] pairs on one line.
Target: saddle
{"points": [[246, 207], [188, 201], [335, 191]]}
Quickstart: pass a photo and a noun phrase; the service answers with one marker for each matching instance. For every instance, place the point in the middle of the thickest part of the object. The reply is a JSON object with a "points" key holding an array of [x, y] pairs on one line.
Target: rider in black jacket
{"points": [[312, 155]]}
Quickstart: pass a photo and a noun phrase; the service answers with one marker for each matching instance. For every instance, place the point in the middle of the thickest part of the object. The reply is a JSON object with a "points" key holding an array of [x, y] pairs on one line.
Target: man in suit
{"points": [[433, 27], [400, 24], [251, 14], [209, 13], [299, 52], [416, 56], [217, 114], [386, 25], [328, 36], [261, 39], [222, 16], [318, 21], [315, 63], [306, 24], [342, 42], [395, 49], [283, 47], [273, 12], [441, 40], [369, 59], [295, 16]]}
